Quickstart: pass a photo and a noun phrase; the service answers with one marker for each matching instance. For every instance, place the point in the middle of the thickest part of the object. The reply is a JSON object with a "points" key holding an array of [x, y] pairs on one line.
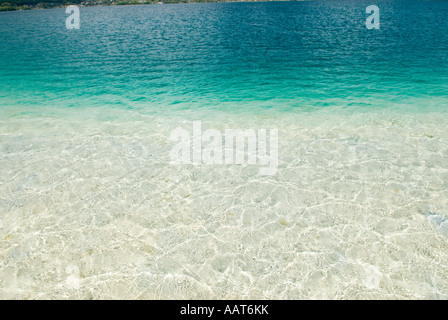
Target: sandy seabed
{"points": [[92, 209]]}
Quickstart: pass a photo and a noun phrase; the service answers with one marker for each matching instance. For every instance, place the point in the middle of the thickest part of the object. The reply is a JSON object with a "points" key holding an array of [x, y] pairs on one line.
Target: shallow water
{"points": [[91, 207]]}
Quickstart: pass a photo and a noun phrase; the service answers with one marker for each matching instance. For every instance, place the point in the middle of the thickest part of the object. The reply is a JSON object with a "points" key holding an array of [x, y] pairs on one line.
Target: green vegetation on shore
{"points": [[12, 5]]}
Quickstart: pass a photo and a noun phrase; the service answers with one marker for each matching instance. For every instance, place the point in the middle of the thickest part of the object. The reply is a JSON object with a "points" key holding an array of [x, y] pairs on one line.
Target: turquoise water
{"points": [[93, 207], [293, 56]]}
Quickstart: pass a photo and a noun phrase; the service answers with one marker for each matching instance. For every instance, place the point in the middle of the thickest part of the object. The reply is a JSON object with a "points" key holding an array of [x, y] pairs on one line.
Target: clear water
{"points": [[90, 206]]}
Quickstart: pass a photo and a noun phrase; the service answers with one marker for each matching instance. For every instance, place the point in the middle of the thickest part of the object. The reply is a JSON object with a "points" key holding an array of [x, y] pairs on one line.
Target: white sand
{"points": [[93, 209]]}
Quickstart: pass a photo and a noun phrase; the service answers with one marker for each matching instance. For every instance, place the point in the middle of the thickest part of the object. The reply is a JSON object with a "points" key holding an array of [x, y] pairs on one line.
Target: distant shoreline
{"points": [[18, 5]]}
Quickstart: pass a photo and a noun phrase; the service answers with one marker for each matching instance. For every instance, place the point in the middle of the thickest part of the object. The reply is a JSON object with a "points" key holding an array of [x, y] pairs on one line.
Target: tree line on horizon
{"points": [[12, 5]]}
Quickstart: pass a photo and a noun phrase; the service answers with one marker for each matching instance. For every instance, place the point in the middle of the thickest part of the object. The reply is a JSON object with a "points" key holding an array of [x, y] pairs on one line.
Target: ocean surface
{"points": [[92, 207]]}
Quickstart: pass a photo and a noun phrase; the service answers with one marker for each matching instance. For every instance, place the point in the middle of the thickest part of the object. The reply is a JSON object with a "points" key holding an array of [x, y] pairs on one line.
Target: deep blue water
{"points": [[286, 55]]}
